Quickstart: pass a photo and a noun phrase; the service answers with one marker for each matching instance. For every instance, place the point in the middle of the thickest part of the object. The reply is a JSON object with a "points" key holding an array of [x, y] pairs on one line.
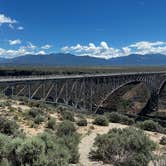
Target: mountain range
{"points": [[61, 59]]}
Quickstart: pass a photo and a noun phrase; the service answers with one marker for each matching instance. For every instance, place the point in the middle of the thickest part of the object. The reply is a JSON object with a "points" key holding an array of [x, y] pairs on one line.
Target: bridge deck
{"points": [[61, 77]]}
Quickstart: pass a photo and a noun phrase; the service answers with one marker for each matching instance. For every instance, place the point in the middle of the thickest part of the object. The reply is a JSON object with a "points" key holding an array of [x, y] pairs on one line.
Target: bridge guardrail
{"points": [[73, 76]]}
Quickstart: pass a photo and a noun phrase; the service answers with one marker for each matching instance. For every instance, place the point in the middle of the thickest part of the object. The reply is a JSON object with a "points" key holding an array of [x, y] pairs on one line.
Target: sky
{"points": [[98, 28]]}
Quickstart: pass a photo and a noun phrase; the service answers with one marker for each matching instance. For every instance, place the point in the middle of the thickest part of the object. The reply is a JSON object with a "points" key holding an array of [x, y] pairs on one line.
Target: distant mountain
{"points": [[57, 60], [136, 59], [3, 60], [72, 60]]}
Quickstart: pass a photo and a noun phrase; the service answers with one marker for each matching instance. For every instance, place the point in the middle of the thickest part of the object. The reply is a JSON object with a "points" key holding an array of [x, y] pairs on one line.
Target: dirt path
{"points": [[88, 140]]}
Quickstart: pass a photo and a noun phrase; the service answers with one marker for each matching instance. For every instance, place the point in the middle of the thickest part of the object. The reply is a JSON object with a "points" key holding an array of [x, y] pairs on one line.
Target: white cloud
{"points": [[14, 53], [14, 42], [9, 21], [6, 20], [29, 48], [101, 51], [105, 51], [41, 53], [47, 46], [146, 47], [20, 28]]}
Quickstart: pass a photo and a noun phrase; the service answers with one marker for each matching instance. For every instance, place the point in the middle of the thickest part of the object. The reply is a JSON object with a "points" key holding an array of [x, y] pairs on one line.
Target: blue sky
{"points": [[100, 28]]}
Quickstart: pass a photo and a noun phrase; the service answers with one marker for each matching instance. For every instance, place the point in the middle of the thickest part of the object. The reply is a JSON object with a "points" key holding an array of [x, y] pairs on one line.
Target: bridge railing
{"points": [[75, 76]]}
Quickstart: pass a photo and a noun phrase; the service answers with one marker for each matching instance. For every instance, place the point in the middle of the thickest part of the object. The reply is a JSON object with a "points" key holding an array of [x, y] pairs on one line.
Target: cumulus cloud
{"points": [[10, 53], [103, 50], [47, 46], [146, 47], [14, 42], [6, 20], [29, 48]]}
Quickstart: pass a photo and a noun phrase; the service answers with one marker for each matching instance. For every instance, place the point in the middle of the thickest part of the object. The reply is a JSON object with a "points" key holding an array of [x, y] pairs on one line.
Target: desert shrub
{"points": [[101, 121], [67, 115], [34, 112], [163, 140], [123, 147], [31, 151], [126, 120], [4, 148], [115, 117], [38, 119], [71, 143], [82, 122], [57, 154], [60, 155], [46, 149], [62, 148], [9, 127], [51, 124], [66, 128], [150, 125]]}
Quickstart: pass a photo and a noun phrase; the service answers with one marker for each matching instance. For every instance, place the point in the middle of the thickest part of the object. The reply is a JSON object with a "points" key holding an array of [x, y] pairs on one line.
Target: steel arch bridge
{"points": [[83, 91]]}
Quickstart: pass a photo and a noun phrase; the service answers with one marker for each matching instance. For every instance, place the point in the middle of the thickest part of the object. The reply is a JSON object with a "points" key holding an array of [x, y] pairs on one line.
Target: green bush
{"points": [[123, 147], [71, 143], [9, 127], [126, 120], [31, 151], [34, 112], [115, 117], [67, 115], [150, 125], [101, 121], [57, 154], [163, 140], [4, 146], [51, 124], [82, 122], [66, 128], [38, 119]]}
